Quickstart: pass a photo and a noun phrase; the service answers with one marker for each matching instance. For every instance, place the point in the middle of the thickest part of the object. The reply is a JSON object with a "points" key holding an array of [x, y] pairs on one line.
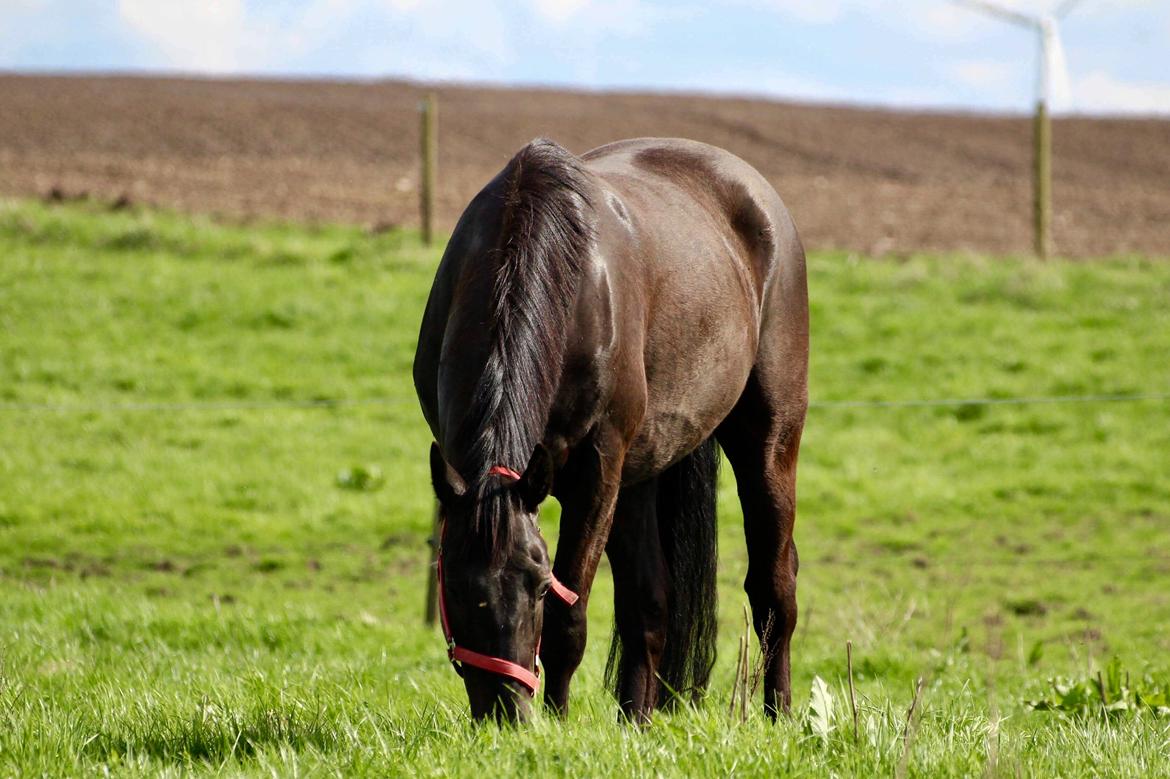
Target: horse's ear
{"points": [[448, 484], [536, 483]]}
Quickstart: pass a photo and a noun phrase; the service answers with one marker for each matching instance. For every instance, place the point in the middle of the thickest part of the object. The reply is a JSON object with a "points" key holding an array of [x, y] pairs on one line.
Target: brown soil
{"points": [[867, 180]]}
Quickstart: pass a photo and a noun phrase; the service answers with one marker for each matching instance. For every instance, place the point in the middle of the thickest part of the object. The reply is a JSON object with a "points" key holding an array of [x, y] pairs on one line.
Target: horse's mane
{"points": [[546, 232]]}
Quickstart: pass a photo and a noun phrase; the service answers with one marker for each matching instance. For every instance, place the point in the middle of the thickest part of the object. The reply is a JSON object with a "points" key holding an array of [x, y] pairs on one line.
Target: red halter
{"points": [[505, 471], [460, 656]]}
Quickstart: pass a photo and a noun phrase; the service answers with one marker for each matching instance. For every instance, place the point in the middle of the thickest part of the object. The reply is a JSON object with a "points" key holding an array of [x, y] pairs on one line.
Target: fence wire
{"points": [[205, 405], [923, 560], [335, 403]]}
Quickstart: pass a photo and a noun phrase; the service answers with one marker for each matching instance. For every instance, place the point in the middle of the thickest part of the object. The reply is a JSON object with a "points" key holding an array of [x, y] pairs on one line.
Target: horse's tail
{"points": [[686, 526], [687, 530]]}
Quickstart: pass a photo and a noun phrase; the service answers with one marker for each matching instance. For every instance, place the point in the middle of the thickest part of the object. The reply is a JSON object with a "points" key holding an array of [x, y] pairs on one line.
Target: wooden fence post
{"points": [[429, 109], [1042, 183]]}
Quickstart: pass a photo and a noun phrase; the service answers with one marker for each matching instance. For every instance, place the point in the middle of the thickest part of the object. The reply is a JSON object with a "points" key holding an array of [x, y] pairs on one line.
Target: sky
{"points": [[912, 54]]}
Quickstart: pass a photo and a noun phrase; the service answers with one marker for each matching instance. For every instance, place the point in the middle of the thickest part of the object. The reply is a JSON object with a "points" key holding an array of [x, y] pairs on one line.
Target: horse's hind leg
{"points": [[761, 438], [640, 600]]}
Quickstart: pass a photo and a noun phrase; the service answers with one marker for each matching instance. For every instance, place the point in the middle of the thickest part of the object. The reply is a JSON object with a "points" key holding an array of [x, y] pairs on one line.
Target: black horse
{"points": [[597, 326]]}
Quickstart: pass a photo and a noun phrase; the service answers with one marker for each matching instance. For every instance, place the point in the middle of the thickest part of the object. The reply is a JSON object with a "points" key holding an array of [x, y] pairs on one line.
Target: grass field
{"points": [[193, 581]]}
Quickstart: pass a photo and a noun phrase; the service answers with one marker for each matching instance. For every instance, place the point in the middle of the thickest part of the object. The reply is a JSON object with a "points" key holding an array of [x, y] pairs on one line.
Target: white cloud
{"points": [[1039, 7], [464, 36], [191, 34], [948, 21], [424, 38], [763, 83], [826, 11], [933, 19], [559, 11], [16, 6], [1101, 93], [433, 39], [984, 74], [944, 18], [591, 17], [787, 86], [812, 11]]}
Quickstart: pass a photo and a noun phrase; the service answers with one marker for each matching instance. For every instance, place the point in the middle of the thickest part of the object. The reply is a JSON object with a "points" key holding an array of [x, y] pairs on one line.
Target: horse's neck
{"points": [[501, 383]]}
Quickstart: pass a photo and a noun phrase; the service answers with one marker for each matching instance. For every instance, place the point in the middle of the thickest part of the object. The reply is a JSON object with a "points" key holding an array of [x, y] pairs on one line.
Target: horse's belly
{"points": [[690, 389]]}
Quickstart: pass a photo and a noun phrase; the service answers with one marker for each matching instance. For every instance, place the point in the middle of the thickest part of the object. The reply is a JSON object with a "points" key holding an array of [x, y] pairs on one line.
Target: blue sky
{"points": [[914, 53]]}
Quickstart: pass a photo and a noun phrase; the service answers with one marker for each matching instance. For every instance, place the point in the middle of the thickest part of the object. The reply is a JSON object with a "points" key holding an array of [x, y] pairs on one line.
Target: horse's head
{"points": [[495, 573]]}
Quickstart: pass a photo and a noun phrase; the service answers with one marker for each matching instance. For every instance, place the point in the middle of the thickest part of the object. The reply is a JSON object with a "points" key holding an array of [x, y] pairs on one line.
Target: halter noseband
{"points": [[461, 656]]}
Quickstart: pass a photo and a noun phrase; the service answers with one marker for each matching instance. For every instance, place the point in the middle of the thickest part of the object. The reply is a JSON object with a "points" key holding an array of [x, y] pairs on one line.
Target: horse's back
{"points": [[714, 180]]}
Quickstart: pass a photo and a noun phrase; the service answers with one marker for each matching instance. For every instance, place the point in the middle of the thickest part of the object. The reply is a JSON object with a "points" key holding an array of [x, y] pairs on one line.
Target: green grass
{"points": [[193, 580]]}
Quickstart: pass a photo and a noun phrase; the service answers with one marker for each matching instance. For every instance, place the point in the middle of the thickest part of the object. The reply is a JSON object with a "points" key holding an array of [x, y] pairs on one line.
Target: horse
{"points": [[599, 327]]}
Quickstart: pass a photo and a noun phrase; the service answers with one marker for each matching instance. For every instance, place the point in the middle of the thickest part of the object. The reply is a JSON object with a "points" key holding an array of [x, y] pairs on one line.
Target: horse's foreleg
{"points": [[588, 490]]}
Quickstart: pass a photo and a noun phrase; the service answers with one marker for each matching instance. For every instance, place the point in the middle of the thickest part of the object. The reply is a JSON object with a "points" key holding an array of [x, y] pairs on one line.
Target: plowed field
{"points": [[867, 180]]}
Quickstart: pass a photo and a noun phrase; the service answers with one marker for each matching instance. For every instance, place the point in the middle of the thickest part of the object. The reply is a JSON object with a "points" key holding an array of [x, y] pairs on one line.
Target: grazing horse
{"points": [[597, 328]]}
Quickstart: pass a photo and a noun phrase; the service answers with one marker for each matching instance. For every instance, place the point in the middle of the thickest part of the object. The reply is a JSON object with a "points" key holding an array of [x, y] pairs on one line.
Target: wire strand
{"points": [[331, 403], [204, 405], [1018, 401]]}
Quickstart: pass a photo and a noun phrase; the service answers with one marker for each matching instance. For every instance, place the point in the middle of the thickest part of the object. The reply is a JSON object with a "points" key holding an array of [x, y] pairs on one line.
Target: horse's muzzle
{"points": [[493, 697]]}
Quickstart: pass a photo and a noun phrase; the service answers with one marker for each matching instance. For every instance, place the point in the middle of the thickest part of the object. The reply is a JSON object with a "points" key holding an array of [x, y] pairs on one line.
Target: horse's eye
{"points": [[543, 588]]}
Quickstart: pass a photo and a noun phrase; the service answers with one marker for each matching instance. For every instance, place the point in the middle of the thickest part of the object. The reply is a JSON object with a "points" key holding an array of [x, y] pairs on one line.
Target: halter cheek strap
{"points": [[461, 656]]}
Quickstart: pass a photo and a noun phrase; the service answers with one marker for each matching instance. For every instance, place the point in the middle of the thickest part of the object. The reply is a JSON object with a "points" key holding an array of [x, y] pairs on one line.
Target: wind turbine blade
{"points": [[1065, 8], [1059, 94], [1007, 14]]}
